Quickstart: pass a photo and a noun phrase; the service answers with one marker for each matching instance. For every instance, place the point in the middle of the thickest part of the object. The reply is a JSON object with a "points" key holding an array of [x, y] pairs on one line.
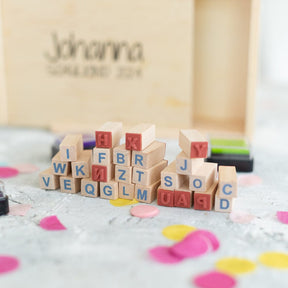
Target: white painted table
{"points": [[105, 247]]}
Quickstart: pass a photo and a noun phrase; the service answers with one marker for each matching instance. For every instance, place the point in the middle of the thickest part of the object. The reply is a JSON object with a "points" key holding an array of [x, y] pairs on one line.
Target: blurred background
{"points": [[158, 83], [274, 43]]}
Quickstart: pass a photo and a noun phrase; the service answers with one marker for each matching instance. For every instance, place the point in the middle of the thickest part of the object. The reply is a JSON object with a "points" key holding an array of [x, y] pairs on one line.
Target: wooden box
{"points": [[173, 63]]}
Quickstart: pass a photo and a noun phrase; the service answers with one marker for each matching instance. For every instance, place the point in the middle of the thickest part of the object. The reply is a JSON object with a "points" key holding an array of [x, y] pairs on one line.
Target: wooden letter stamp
{"points": [[165, 197], [205, 200], [187, 166], [102, 173], [227, 181], [62, 168], [126, 191], [82, 167], [140, 137], [183, 197], [148, 176], [146, 194], [121, 156], [68, 184], [89, 188], [223, 204], [193, 143], [102, 156], [48, 180], [109, 135], [71, 147], [109, 190], [170, 179], [204, 177], [150, 156], [123, 174]]}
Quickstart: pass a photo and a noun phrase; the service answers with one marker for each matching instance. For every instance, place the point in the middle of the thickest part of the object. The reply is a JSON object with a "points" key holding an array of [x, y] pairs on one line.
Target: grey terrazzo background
{"points": [[104, 246]]}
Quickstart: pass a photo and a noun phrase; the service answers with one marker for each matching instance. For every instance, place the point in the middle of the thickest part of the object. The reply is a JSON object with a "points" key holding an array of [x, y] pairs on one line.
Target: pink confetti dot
{"points": [[209, 237], [191, 246], [19, 209], [7, 172], [241, 217], [26, 168], [144, 211], [249, 180], [163, 254], [51, 223], [214, 280], [8, 264], [282, 216]]}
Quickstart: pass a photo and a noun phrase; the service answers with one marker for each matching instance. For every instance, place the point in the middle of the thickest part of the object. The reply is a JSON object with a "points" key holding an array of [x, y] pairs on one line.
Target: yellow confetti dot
{"points": [[235, 265], [274, 260], [177, 232], [123, 202]]}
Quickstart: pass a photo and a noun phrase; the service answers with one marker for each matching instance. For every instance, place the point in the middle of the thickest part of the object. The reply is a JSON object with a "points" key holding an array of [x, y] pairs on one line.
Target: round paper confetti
{"points": [[163, 254], [26, 168], [235, 265], [51, 223], [241, 217], [214, 279], [191, 246], [282, 216], [274, 260], [123, 202], [7, 172], [177, 232], [19, 209], [144, 211], [3, 164], [8, 264], [249, 180], [209, 237]]}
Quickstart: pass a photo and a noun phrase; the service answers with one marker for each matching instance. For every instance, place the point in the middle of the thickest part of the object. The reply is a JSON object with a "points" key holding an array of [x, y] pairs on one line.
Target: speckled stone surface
{"points": [[104, 246]]}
